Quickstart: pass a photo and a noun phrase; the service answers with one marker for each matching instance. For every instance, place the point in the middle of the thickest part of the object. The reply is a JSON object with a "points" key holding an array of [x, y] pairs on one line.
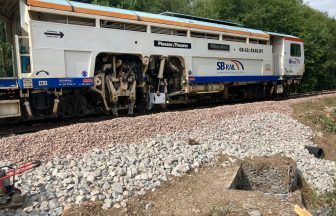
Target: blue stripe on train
{"points": [[43, 83], [8, 83], [218, 79]]}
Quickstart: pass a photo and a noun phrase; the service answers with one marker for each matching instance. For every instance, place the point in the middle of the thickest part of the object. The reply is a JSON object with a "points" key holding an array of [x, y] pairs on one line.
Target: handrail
{"points": [[19, 54]]}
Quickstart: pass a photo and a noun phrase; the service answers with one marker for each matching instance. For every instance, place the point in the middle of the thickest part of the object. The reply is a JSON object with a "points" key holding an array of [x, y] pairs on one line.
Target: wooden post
{"points": [[300, 211]]}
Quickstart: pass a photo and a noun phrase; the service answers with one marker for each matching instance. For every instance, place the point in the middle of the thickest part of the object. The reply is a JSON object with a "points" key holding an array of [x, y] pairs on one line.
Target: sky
{"points": [[324, 5]]}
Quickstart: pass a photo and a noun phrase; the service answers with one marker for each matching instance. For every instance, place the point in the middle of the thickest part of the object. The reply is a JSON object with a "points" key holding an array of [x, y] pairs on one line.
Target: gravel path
{"points": [[120, 171], [80, 138]]}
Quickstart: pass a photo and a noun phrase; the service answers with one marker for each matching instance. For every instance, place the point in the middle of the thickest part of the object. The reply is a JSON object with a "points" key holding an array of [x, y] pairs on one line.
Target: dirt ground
{"points": [[320, 115], [205, 192]]}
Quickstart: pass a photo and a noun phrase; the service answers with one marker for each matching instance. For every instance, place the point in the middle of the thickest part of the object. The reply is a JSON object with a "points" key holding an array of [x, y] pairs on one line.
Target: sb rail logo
{"points": [[294, 61], [230, 65]]}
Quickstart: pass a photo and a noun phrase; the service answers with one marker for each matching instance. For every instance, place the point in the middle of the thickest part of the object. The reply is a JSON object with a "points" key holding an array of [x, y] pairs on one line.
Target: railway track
{"points": [[310, 94], [18, 128]]}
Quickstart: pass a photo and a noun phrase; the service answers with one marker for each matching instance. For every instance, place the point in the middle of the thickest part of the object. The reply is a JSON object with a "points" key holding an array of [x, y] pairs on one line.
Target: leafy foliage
{"points": [[285, 16], [6, 65]]}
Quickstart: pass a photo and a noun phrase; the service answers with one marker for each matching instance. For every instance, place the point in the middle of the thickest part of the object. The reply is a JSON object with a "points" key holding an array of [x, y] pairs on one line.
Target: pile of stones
{"points": [[113, 174]]}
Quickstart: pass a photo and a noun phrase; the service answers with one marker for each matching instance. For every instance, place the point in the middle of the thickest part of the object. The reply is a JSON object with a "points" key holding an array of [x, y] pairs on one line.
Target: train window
{"points": [[253, 41], [212, 36], [181, 33], [229, 38], [81, 21], [263, 42], [123, 26], [197, 34], [241, 39], [234, 38], [48, 17], [295, 50], [168, 31], [204, 35]]}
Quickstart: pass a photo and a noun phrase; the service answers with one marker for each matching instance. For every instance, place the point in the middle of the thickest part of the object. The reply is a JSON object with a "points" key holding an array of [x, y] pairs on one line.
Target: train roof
{"points": [[167, 18], [286, 36], [187, 21], [185, 16]]}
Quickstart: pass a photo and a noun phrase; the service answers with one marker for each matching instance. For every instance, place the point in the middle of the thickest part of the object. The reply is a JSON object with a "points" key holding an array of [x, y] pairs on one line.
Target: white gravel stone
{"points": [[53, 204], [80, 199], [149, 206], [118, 188], [28, 209], [113, 174]]}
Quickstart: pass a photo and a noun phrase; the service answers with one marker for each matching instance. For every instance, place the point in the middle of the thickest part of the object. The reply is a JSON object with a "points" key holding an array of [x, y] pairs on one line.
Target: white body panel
{"points": [[10, 108], [227, 67], [69, 56]]}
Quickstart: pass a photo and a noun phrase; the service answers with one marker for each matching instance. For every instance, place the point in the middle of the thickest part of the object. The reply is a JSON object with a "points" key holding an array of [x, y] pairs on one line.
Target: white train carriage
{"points": [[73, 58]]}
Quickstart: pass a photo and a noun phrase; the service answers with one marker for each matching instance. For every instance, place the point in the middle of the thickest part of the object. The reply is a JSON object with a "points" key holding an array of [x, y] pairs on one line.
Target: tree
{"points": [[6, 64]]}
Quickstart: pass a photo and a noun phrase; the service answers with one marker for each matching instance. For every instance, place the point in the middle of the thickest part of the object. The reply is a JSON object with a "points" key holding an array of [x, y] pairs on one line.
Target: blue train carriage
{"points": [[72, 58]]}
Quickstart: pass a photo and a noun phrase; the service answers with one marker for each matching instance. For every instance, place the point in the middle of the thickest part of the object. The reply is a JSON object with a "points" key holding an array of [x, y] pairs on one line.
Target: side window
{"points": [[295, 50]]}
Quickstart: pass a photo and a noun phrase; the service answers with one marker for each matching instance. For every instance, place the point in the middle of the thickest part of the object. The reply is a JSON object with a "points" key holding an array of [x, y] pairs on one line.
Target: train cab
{"points": [[288, 56]]}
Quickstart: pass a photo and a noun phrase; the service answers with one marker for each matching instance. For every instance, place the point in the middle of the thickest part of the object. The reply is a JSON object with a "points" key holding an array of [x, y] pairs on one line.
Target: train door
{"points": [[294, 57], [278, 55]]}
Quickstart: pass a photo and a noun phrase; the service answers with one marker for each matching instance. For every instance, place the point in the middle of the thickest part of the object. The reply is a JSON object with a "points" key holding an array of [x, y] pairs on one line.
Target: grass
{"points": [[327, 123], [320, 115], [331, 201], [309, 197]]}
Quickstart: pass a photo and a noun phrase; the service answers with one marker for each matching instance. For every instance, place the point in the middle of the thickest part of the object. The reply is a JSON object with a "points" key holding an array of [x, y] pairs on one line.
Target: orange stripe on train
{"points": [[38, 3], [49, 5], [294, 39]]}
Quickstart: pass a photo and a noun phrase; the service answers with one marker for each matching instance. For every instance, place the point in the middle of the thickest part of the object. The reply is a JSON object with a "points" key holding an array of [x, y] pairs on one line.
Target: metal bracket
{"points": [[99, 82]]}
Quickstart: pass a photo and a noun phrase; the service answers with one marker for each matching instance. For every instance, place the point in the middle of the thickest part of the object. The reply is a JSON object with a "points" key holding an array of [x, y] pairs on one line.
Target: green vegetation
{"points": [[331, 201], [285, 16], [321, 116], [327, 122], [6, 65]]}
